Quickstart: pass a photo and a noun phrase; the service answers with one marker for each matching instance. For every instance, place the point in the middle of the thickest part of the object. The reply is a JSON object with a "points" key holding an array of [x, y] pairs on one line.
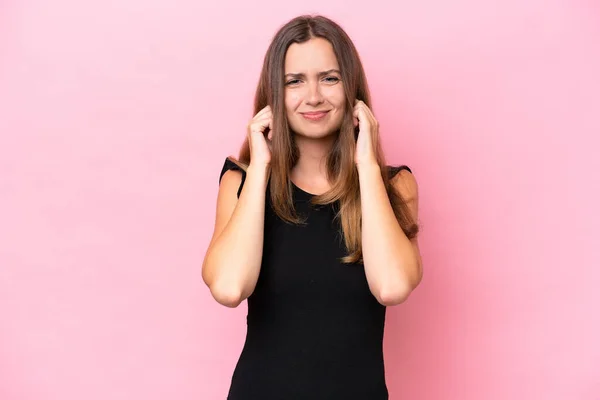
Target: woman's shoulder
{"points": [[405, 184], [393, 170], [231, 165], [237, 174]]}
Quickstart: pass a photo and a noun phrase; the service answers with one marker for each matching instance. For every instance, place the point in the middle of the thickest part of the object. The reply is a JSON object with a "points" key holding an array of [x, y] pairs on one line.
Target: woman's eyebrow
{"points": [[301, 75]]}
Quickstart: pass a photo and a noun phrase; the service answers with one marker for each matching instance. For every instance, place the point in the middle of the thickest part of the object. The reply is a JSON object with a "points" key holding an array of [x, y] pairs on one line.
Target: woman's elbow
{"points": [[391, 295], [227, 296], [393, 298], [224, 293]]}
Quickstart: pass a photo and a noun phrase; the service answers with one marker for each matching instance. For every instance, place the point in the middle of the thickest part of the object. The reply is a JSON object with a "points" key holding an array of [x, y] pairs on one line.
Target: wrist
{"points": [[368, 166], [258, 167], [260, 171]]}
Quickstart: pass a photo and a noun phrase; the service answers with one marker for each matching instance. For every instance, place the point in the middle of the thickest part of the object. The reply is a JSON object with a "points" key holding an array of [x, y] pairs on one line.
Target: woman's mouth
{"points": [[315, 116]]}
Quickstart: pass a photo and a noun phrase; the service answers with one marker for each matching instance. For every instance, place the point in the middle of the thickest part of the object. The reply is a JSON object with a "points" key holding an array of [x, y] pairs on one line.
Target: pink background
{"points": [[116, 117]]}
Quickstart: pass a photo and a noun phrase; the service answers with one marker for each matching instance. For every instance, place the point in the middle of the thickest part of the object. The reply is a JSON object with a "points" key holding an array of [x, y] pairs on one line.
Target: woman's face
{"points": [[314, 91]]}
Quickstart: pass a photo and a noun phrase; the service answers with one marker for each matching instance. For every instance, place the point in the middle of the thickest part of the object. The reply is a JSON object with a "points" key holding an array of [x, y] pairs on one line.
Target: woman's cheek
{"points": [[291, 102], [295, 98]]}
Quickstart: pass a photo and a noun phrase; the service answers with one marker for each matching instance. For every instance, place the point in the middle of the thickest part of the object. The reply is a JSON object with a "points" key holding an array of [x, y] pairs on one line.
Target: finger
{"points": [[266, 116], [270, 135], [362, 104], [368, 114], [261, 124], [360, 113], [266, 122], [258, 115], [262, 116], [262, 112], [355, 116]]}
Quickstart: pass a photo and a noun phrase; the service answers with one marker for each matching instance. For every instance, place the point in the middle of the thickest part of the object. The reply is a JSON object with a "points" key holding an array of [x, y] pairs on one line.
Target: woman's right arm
{"points": [[234, 256]]}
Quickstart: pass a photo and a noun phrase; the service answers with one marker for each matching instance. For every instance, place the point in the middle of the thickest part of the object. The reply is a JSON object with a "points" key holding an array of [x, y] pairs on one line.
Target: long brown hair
{"points": [[340, 161]]}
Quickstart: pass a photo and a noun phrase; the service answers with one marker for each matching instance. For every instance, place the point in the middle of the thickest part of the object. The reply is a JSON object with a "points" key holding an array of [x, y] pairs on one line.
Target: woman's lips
{"points": [[315, 116]]}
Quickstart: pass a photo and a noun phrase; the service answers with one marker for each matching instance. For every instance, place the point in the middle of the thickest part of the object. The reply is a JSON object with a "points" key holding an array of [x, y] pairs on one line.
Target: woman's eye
{"points": [[329, 79]]}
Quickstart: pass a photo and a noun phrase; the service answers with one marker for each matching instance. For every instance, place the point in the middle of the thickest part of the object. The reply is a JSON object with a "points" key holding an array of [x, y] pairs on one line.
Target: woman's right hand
{"points": [[260, 147]]}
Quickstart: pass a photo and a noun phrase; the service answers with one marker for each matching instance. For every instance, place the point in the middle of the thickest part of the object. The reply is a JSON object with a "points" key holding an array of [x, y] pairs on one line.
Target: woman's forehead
{"points": [[311, 57]]}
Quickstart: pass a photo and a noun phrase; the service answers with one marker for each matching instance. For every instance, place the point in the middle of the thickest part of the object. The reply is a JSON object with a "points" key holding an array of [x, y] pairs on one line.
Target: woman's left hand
{"points": [[368, 134]]}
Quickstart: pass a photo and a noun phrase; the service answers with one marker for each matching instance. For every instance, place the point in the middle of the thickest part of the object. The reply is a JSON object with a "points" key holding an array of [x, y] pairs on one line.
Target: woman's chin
{"points": [[316, 132], [316, 135]]}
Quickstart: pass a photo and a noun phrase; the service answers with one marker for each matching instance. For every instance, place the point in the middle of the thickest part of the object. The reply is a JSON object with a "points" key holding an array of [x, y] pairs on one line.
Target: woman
{"points": [[312, 227]]}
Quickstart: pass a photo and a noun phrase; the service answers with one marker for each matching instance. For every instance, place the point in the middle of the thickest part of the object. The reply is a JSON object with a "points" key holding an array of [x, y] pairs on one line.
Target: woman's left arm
{"points": [[392, 261]]}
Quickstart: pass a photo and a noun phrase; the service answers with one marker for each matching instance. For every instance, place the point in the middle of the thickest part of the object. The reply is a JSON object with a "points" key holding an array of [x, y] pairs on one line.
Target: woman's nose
{"points": [[314, 95]]}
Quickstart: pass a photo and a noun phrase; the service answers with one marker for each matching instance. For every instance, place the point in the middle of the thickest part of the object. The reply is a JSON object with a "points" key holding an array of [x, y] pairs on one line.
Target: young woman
{"points": [[312, 227]]}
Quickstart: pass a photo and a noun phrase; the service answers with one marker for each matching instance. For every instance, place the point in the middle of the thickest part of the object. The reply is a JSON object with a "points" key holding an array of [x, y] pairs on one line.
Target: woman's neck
{"points": [[312, 162]]}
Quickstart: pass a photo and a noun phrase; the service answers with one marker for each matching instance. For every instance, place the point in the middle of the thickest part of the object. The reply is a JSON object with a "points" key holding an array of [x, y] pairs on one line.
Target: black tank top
{"points": [[314, 330]]}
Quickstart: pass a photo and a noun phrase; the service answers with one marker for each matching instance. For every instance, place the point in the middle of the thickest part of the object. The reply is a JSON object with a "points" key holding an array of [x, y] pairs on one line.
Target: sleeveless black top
{"points": [[314, 330]]}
